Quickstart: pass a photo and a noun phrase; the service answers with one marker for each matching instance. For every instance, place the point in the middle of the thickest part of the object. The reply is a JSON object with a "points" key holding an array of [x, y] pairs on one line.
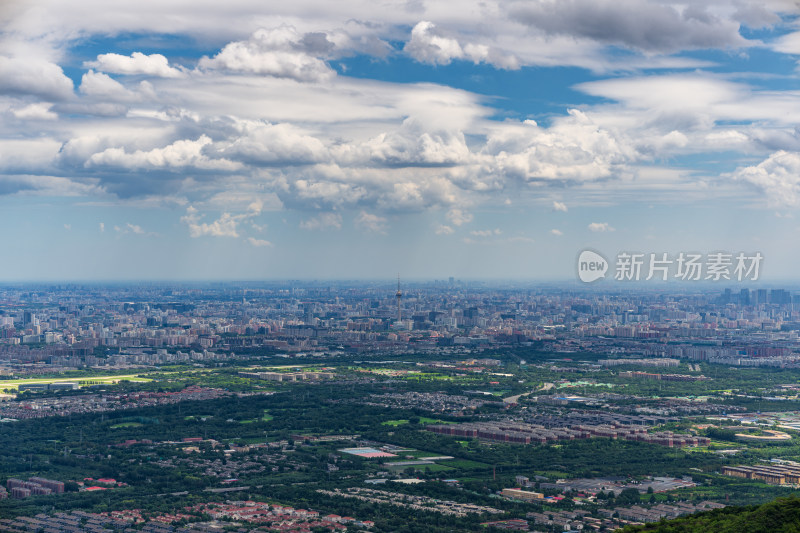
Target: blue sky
{"points": [[493, 139]]}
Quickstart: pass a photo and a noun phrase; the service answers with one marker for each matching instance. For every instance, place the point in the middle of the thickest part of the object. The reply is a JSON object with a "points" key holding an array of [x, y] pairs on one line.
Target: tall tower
{"points": [[398, 295]]}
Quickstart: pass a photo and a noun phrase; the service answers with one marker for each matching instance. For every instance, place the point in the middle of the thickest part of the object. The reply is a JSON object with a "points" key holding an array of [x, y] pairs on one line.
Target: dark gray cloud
{"points": [[638, 24]]}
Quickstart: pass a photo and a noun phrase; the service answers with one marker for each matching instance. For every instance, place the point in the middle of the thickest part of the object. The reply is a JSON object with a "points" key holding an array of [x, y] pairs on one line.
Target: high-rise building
{"points": [[399, 296], [744, 297]]}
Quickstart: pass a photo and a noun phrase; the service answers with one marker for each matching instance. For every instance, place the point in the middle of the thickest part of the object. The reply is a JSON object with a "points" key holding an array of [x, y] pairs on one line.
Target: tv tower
{"points": [[399, 296]]}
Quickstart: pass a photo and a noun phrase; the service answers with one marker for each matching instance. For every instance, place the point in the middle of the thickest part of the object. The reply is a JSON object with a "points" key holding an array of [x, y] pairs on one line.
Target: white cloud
{"points": [[31, 76], [274, 144], [37, 111], [67, 227], [574, 148], [127, 228], [429, 44], [414, 143], [459, 217], [136, 63], [486, 232], [556, 232], [371, 223], [559, 206], [599, 227], [182, 153], [778, 177], [225, 226], [274, 52], [258, 243], [101, 85], [787, 44], [134, 228], [323, 221], [443, 229], [102, 227]]}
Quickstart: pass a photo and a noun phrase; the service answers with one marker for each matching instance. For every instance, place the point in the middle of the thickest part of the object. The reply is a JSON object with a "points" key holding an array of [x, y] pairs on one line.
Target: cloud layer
{"points": [[269, 113]]}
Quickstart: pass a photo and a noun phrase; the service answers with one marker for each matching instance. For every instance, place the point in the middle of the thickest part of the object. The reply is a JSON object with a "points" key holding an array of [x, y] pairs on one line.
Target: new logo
{"points": [[591, 266]]}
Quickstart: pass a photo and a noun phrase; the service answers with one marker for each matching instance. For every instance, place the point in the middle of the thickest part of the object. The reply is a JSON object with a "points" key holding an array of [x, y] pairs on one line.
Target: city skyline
{"points": [[199, 141]]}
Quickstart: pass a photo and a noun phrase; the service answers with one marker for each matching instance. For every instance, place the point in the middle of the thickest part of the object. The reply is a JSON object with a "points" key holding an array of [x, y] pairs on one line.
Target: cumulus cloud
{"points": [[443, 229], [134, 228], [600, 227], [559, 206], [429, 44], [556, 232], [180, 154], [414, 143], [30, 76], [37, 111], [280, 52], [787, 44], [649, 26], [102, 85], [778, 177], [224, 226], [574, 148], [371, 223], [273, 144], [323, 221], [258, 243], [128, 228], [459, 217], [136, 63], [486, 232]]}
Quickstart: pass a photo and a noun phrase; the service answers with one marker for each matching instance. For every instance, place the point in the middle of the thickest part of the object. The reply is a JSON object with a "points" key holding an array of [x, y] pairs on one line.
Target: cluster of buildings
{"points": [[411, 501], [522, 433], [154, 324], [35, 486], [430, 401], [661, 377], [276, 517], [655, 513], [616, 486], [774, 474], [100, 403], [609, 519], [616, 517], [288, 376], [230, 514]]}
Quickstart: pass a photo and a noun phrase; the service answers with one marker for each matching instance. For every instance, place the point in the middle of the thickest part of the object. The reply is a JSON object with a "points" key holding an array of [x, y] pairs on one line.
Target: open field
{"points": [[13, 384]]}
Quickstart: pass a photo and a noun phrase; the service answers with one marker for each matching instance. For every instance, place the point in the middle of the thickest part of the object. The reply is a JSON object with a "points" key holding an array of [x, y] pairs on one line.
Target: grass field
{"points": [[422, 420], [13, 384], [265, 418], [126, 425]]}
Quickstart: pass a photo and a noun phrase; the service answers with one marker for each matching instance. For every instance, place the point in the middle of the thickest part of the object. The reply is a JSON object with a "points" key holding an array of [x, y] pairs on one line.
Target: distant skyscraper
{"points": [[744, 297], [762, 296], [399, 296]]}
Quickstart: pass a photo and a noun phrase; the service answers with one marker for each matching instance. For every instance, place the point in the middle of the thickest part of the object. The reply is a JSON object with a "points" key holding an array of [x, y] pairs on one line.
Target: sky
{"points": [[497, 139]]}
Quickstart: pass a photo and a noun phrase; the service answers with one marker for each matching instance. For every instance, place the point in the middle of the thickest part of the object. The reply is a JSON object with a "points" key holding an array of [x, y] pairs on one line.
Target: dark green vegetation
{"points": [[778, 516]]}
